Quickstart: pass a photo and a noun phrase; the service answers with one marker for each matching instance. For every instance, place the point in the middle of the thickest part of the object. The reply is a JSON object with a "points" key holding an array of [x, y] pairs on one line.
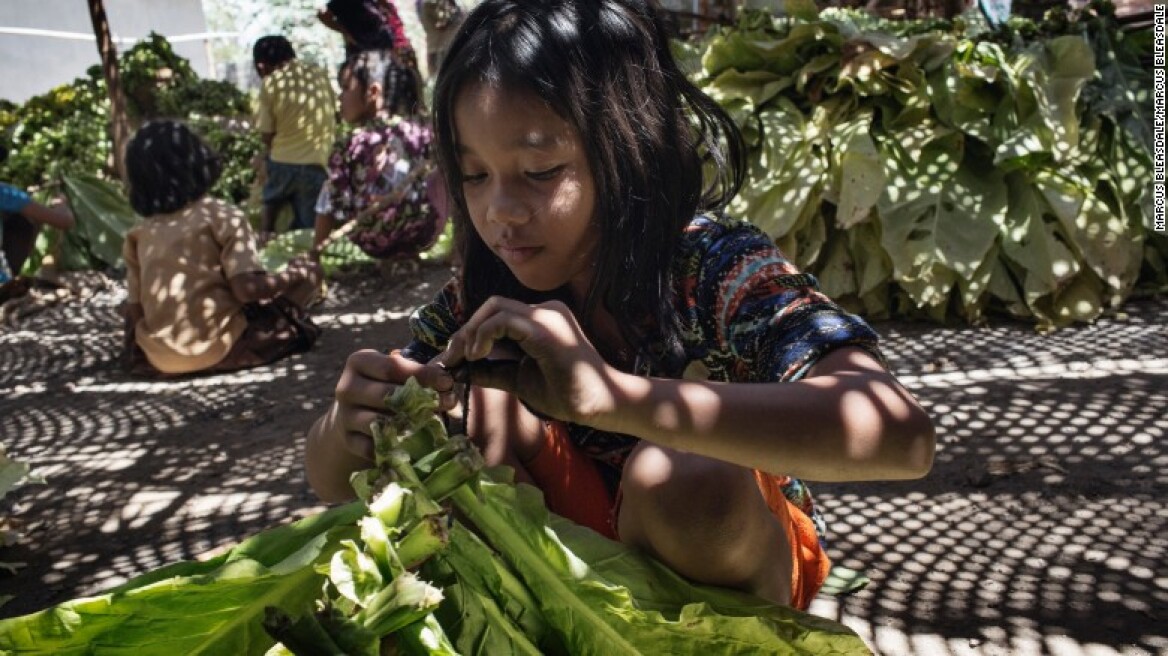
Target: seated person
{"points": [[377, 178], [199, 299], [21, 219]]}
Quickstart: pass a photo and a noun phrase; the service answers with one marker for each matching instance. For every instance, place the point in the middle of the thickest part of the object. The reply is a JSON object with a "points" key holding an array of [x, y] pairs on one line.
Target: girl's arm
{"points": [[849, 419], [15, 199]]}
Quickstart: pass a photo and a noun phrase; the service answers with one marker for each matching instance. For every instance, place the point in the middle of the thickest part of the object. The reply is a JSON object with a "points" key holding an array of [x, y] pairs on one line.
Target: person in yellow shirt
{"points": [[296, 120]]}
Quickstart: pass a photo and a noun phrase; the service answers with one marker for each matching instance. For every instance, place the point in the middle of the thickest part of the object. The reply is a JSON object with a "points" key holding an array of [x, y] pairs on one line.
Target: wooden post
{"points": [[119, 119]]}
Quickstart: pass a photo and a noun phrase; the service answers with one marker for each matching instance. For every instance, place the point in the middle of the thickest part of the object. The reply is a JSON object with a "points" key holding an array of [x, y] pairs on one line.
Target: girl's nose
{"points": [[507, 208]]}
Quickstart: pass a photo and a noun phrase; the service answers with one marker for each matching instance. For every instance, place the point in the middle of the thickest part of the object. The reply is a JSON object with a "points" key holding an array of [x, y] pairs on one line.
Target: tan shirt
{"points": [[298, 106], [177, 268]]}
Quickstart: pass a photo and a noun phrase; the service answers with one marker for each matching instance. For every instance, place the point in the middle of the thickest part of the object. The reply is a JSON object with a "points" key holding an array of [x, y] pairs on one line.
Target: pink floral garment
{"points": [[376, 157]]}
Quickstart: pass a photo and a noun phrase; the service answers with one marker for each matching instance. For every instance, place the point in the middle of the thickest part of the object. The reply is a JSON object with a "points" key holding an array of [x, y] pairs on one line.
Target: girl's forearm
{"points": [[843, 426]]}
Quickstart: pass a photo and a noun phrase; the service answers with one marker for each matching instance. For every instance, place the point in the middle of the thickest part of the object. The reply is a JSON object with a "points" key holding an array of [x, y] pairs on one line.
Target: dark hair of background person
{"points": [[606, 68], [366, 24], [401, 84], [168, 167], [272, 50]]}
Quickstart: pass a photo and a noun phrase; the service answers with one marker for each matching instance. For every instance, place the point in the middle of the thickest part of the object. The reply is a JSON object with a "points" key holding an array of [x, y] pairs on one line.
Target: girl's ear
{"points": [[373, 95]]}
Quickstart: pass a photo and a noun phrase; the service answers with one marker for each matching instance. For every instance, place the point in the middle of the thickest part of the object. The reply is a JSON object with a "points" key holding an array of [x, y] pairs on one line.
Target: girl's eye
{"points": [[546, 174], [473, 178]]}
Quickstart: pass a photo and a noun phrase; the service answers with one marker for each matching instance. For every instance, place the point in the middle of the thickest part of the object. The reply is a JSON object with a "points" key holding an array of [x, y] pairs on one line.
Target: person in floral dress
{"points": [[378, 176]]}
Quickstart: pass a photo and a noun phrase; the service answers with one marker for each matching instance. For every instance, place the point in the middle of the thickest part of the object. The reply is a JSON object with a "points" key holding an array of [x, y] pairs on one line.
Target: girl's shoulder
{"points": [[432, 324], [709, 235], [720, 254]]}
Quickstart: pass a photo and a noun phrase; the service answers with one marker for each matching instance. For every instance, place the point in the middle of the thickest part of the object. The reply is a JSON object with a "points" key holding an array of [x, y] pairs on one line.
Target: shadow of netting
{"points": [[50, 343], [141, 474], [1046, 514], [137, 480]]}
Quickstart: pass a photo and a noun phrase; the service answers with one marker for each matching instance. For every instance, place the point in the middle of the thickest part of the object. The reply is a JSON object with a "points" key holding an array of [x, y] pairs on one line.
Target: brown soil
{"points": [[1041, 530]]}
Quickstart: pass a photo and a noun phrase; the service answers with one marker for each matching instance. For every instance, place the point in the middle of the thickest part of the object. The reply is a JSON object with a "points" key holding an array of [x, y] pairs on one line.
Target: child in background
{"points": [[199, 299], [296, 121], [377, 178], [20, 220], [660, 370]]}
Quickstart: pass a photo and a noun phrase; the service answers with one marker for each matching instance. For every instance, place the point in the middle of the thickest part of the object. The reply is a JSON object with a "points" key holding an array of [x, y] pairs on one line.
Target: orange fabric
{"points": [[573, 488], [810, 564]]}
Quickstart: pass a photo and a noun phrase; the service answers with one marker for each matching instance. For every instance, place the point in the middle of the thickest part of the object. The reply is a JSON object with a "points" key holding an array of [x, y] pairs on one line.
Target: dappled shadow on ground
{"points": [[1041, 530], [140, 473], [1043, 527]]}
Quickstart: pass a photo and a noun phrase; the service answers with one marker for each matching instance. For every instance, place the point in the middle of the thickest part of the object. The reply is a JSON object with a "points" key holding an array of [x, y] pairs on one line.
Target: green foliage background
{"points": [[923, 169], [66, 131]]}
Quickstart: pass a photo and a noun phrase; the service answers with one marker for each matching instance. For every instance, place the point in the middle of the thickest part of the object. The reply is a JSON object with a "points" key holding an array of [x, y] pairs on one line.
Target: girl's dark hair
{"points": [[401, 82], [272, 50], [168, 167], [605, 67]]}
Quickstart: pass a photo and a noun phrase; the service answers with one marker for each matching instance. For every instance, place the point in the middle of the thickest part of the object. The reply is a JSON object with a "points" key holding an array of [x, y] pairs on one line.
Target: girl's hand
{"points": [[557, 372], [339, 443], [367, 378]]}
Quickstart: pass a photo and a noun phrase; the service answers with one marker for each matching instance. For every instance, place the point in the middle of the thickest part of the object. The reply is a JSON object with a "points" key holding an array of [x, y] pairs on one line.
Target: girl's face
{"points": [[358, 104], [528, 187]]}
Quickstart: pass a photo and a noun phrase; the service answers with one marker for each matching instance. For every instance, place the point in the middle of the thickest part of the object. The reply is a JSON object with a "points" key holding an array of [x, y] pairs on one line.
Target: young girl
{"points": [[378, 177], [659, 370], [199, 299]]}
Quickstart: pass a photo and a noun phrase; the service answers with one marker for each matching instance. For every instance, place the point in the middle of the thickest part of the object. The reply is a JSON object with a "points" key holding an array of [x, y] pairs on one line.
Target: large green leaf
{"points": [[214, 614], [837, 270], [787, 171], [861, 178], [940, 216], [212, 607], [103, 214], [604, 598], [1055, 72], [1102, 240], [756, 87], [288, 245], [1036, 244]]}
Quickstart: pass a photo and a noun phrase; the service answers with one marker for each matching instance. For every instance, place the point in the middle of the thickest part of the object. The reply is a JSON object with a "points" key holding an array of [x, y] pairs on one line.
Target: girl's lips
{"points": [[517, 254]]}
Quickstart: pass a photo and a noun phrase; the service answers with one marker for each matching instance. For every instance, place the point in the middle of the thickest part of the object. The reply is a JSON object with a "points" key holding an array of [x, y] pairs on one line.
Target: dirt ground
{"points": [[1043, 528]]}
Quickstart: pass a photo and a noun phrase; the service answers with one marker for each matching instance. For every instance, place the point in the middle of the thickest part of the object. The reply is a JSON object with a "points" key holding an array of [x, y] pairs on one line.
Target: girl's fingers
{"points": [[506, 324], [496, 320], [369, 375], [359, 444], [358, 420]]}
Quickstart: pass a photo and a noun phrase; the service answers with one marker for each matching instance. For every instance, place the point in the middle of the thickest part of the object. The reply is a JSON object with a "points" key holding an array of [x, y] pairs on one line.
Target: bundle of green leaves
{"points": [[506, 577]]}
